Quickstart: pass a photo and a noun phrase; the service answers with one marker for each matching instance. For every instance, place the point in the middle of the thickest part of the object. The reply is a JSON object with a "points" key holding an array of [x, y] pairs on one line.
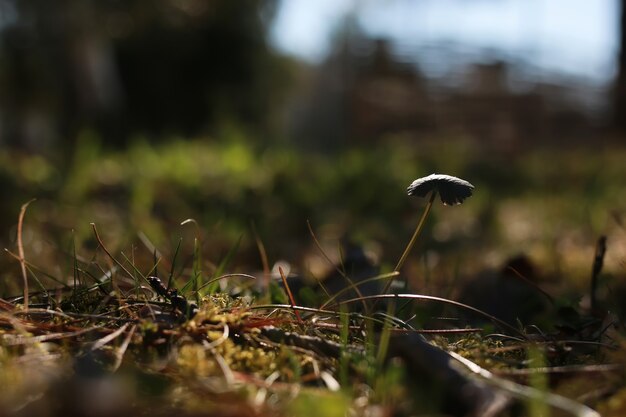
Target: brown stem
{"points": [[289, 294], [20, 251]]}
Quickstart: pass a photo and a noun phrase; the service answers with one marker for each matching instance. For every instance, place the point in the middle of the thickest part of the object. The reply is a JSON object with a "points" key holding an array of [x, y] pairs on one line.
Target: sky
{"points": [[575, 37]]}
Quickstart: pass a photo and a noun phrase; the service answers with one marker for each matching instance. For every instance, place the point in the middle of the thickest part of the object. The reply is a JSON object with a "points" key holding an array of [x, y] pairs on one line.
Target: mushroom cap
{"points": [[452, 190]]}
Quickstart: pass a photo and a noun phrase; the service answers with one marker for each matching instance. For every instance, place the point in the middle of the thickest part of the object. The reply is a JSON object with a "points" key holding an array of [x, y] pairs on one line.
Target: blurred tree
{"points": [[187, 64], [118, 67]]}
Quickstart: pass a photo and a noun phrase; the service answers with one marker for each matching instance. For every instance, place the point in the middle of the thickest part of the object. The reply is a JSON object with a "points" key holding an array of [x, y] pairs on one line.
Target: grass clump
{"points": [[232, 354], [218, 337]]}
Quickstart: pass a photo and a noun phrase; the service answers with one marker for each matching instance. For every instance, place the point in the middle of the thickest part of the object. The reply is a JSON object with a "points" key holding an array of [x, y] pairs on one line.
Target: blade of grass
{"points": [[197, 269], [393, 319], [344, 359], [301, 308], [531, 284], [31, 267], [289, 294], [220, 269], [98, 283], [339, 270], [495, 320], [383, 342], [195, 256], [171, 277], [143, 238], [598, 261], [155, 262], [565, 369], [364, 281], [20, 250], [75, 269], [211, 281], [263, 254], [38, 282], [137, 271], [102, 245], [537, 405], [368, 329], [332, 313], [30, 270]]}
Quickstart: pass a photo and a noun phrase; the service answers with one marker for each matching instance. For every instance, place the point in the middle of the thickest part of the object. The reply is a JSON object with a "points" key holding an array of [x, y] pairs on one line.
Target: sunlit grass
{"points": [[551, 206]]}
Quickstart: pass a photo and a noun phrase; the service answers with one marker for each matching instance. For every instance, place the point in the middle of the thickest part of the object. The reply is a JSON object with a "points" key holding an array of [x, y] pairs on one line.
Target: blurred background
{"points": [[252, 117]]}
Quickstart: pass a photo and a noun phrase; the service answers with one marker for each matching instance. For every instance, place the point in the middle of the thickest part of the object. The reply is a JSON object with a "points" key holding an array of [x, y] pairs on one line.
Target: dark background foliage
{"points": [[138, 114]]}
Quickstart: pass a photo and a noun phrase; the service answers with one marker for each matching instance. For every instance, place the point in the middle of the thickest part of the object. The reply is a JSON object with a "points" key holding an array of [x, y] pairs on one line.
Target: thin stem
{"points": [[337, 268], [104, 248], [289, 294], [20, 251], [597, 268], [418, 230], [494, 319]]}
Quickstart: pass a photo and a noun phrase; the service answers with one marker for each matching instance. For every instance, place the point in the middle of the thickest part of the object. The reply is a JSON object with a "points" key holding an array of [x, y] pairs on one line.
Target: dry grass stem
{"points": [[291, 299], [20, 250]]}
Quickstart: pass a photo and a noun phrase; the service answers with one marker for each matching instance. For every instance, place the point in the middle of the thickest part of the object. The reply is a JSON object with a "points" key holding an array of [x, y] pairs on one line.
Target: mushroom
{"points": [[452, 191]]}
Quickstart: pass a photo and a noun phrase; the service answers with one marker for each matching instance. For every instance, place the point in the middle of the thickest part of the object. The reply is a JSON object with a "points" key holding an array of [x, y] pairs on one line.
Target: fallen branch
{"points": [[526, 392]]}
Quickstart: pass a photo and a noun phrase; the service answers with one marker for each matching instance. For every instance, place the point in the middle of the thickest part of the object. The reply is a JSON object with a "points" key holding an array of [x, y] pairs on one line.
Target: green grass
{"points": [[549, 205]]}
